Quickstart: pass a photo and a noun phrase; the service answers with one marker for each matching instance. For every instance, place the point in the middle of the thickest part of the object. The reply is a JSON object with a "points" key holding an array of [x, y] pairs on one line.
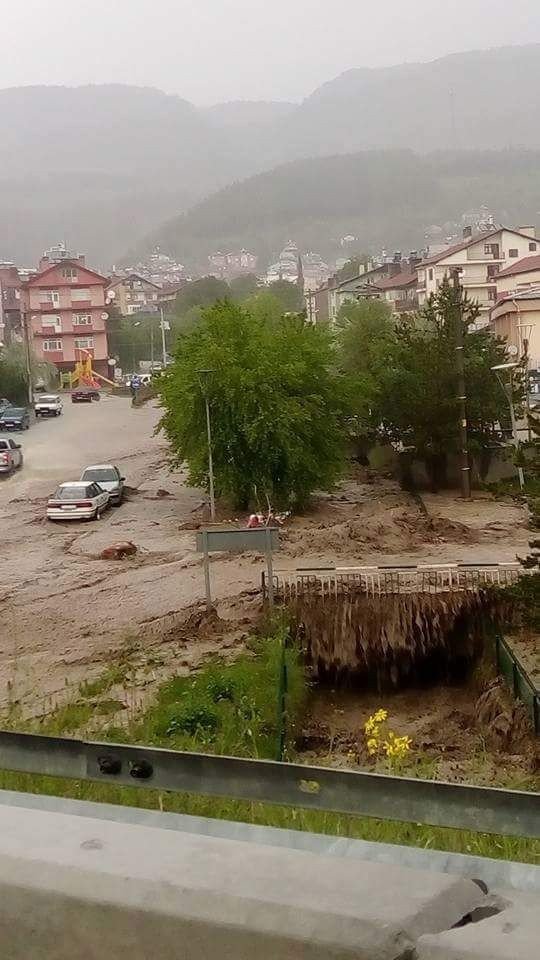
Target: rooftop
{"points": [[521, 266]]}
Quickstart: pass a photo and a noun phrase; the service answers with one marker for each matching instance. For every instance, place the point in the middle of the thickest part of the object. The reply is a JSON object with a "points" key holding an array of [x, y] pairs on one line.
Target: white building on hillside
{"points": [[479, 258]]}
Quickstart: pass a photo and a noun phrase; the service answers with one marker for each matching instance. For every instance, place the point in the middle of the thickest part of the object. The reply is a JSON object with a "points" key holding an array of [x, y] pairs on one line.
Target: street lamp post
{"points": [[508, 390], [203, 380], [462, 395]]}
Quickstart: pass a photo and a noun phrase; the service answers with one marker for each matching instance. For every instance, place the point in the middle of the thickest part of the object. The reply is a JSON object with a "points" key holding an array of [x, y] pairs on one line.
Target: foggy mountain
{"points": [[380, 197], [103, 166]]}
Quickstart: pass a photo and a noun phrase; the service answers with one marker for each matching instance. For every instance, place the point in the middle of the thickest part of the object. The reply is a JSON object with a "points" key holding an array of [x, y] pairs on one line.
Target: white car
{"points": [[77, 501], [109, 479], [48, 405], [11, 457]]}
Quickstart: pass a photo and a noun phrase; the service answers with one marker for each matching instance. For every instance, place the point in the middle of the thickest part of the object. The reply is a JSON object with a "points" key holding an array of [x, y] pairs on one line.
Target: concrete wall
{"points": [[73, 887]]}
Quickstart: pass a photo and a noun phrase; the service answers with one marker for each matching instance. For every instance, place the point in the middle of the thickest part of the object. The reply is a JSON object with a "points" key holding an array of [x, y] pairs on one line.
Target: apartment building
{"points": [[519, 276], [10, 303], [480, 258], [65, 309], [517, 318], [134, 293]]}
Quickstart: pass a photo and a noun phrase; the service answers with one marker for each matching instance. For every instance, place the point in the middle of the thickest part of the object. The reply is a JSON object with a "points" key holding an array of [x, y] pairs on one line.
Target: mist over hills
{"points": [[380, 197], [103, 166]]}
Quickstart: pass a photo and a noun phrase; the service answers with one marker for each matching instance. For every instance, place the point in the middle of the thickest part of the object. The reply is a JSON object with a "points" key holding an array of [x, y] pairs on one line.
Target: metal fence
{"points": [[458, 806], [379, 580], [519, 681]]}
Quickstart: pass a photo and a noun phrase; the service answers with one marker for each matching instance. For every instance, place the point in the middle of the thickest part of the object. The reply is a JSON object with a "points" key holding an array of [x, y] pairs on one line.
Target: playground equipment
{"points": [[84, 374]]}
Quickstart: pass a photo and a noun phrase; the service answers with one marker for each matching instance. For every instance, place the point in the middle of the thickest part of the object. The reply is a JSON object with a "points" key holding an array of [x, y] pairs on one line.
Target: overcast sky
{"points": [[214, 50]]}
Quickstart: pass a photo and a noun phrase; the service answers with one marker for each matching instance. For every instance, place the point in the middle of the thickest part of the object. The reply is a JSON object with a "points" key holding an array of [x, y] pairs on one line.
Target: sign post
{"points": [[258, 539]]}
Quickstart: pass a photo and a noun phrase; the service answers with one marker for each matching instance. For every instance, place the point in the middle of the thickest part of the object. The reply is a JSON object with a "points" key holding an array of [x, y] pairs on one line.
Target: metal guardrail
{"points": [[480, 809], [379, 580]]}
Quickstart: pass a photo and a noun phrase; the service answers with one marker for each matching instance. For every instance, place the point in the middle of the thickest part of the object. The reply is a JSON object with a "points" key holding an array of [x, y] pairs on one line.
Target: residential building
{"points": [[517, 318], [286, 266], [168, 293], [317, 302], [365, 286], [134, 293], [228, 266], [479, 258], [519, 276], [400, 291], [65, 308]]}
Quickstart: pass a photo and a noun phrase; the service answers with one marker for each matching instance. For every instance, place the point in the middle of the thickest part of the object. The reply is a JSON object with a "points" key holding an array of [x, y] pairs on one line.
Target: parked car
{"points": [[15, 418], [85, 395], [11, 457], [109, 478], [48, 405], [77, 501]]}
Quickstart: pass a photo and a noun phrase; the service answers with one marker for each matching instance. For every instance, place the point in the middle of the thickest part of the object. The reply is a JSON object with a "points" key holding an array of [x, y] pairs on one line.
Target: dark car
{"points": [[84, 395], [14, 418]]}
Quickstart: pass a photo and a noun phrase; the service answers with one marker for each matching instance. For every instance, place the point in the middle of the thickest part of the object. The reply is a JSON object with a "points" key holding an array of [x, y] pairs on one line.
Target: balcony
{"points": [[48, 331], [81, 304]]}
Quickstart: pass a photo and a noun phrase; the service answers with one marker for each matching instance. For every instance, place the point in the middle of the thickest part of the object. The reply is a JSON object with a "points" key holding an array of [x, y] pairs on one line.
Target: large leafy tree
{"points": [[422, 408], [276, 400], [404, 377]]}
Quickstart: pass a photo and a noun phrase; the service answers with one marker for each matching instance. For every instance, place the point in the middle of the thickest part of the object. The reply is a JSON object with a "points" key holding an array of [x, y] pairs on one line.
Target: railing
{"points": [[457, 806], [379, 580], [522, 685]]}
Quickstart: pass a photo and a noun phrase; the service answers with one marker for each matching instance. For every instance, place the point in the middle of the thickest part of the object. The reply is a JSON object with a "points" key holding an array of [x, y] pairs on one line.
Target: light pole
{"points": [[508, 390], [163, 342], [462, 396], [203, 380]]}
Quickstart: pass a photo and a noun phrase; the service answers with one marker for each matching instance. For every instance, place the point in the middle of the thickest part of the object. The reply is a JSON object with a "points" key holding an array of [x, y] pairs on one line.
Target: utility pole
{"points": [[163, 343], [203, 380], [27, 355], [151, 344], [461, 389]]}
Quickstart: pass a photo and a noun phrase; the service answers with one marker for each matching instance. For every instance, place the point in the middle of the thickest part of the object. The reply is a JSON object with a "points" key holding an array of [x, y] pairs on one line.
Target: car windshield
{"points": [[71, 492], [47, 399], [14, 412], [101, 474]]}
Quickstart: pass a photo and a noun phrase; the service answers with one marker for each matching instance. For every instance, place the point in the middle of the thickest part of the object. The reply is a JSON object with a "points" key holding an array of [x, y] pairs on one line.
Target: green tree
{"points": [[243, 287], [276, 400], [200, 293], [288, 294], [421, 408], [366, 334]]}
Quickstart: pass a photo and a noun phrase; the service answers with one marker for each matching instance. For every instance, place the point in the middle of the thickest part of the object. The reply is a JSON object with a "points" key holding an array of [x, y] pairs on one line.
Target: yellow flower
{"points": [[372, 746], [380, 716]]}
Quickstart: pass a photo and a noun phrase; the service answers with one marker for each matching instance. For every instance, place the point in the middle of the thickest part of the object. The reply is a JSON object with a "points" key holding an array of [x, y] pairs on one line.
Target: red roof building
{"points": [[66, 316]]}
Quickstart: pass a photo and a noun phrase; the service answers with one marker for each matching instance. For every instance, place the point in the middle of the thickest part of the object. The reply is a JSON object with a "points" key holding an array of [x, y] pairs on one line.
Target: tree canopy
{"points": [[403, 377], [276, 400]]}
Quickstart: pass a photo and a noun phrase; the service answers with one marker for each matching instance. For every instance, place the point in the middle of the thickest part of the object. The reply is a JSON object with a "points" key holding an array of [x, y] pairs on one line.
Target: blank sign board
{"points": [[258, 539]]}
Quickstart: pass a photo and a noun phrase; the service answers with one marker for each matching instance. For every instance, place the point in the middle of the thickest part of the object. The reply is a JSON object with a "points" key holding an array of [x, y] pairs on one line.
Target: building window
{"points": [[82, 319], [532, 247], [84, 343], [52, 346], [513, 252], [50, 296], [492, 293], [80, 295], [493, 269], [69, 273], [430, 274], [51, 320]]}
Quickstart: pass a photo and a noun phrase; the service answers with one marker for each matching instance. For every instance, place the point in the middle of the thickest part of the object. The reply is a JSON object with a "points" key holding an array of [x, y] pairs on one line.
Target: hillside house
{"points": [[134, 293], [480, 259]]}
